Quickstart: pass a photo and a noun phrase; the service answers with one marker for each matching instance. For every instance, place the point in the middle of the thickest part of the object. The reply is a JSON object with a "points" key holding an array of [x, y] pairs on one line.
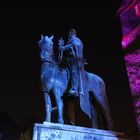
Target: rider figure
{"points": [[74, 52]]}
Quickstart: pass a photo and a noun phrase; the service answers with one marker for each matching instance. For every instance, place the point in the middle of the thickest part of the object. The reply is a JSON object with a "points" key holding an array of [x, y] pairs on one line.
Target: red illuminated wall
{"points": [[129, 14]]}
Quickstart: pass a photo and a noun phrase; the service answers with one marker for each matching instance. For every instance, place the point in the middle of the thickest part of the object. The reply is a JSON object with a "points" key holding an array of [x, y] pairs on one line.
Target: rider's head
{"points": [[72, 32]]}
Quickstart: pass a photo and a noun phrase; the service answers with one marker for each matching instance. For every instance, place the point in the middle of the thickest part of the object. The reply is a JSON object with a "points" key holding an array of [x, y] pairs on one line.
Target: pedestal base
{"points": [[54, 131]]}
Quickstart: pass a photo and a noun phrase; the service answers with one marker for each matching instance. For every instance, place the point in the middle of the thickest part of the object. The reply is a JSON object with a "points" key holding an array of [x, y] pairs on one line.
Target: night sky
{"points": [[98, 28]]}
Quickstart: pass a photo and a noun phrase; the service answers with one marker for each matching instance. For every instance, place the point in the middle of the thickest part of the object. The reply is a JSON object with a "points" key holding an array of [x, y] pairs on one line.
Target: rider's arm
{"points": [[69, 46], [66, 47]]}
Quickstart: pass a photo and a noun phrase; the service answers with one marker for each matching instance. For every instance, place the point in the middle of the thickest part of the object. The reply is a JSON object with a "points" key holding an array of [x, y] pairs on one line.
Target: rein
{"points": [[48, 61]]}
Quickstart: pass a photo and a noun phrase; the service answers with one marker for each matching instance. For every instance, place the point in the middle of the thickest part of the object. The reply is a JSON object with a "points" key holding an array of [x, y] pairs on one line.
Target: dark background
{"points": [[97, 26]]}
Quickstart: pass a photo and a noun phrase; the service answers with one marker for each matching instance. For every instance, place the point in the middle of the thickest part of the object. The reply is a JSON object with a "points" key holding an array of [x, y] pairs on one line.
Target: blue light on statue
{"points": [[55, 79]]}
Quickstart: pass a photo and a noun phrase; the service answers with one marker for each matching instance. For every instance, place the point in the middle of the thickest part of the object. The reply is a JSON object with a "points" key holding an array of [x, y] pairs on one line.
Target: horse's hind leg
{"points": [[103, 104], [48, 107], [107, 115], [59, 103], [93, 116]]}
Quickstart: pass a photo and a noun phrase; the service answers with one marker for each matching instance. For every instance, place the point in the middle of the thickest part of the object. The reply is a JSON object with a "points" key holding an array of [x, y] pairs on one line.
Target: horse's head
{"points": [[45, 41], [46, 46]]}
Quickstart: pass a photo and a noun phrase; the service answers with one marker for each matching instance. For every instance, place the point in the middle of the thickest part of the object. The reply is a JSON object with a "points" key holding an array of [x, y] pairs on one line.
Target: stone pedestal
{"points": [[54, 131]]}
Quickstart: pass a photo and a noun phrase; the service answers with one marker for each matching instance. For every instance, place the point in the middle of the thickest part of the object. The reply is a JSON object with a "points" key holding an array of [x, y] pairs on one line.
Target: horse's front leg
{"points": [[48, 107], [59, 103]]}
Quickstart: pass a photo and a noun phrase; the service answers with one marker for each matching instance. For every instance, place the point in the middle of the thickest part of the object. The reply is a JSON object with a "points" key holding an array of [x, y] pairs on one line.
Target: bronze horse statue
{"points": [[55, 78]]}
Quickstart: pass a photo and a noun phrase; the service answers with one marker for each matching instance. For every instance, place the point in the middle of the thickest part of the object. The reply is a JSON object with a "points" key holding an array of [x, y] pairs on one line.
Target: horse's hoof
{"points": [[61, 121]]}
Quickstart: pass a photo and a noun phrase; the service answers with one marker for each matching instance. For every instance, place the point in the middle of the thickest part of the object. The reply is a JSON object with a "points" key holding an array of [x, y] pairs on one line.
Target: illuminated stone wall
{"points": [[129, 14]]}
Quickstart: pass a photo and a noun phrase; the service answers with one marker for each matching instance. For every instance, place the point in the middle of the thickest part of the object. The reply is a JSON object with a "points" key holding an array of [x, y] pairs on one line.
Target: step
{"points": [[55, 131]]}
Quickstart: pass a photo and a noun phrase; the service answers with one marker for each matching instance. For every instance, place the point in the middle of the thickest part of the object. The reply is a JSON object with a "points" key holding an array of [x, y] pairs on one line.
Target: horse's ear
{"points": [[42, 36], [51, 37]]}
